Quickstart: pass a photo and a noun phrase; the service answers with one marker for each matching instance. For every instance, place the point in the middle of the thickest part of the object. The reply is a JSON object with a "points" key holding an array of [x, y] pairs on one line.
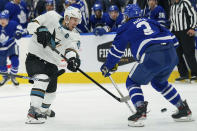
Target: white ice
{"points": [[85, 107]]}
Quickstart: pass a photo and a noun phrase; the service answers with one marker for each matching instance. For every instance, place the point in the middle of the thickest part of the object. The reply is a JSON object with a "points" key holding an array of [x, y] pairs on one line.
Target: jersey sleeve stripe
{"points": [[119, 51], [114, 55]]}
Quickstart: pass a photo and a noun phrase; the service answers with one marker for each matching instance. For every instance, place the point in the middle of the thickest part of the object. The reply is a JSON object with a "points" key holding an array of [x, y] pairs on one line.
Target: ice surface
{"points": [[85, 107]]}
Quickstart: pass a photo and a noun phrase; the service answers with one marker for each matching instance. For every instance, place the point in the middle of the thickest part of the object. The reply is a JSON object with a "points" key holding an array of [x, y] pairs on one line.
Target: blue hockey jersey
{"points": [[140, 33], [157, 14], [94, 22], [7, 34], [114, 24], [18, 13]]}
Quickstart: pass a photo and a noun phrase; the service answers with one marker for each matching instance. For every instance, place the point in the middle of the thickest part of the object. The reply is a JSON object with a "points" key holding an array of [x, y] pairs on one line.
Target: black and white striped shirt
{"points": [[182, 16]]}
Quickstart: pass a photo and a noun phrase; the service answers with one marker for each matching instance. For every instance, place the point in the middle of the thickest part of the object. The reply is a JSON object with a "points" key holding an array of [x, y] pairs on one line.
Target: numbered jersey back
{"points": [[141, 33]]}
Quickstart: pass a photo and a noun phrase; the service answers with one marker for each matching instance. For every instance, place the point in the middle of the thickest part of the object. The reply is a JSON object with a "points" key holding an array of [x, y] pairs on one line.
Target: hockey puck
{"points": [[163, 110]]}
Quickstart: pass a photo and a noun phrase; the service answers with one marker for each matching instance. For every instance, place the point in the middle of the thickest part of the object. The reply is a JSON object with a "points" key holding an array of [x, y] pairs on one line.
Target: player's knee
{"points": [[3, 62], [14, 61], [39, 84], [52, 86], [130, 83], [159, 86], [3, 68]]}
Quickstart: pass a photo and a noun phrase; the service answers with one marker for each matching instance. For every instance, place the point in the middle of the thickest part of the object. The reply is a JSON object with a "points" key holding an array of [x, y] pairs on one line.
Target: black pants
{"points": [[35, 65], [187, 48]]}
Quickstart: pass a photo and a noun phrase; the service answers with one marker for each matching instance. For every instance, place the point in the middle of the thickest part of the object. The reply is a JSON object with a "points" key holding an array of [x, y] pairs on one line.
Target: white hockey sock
{"points": [[38, 91], [48, 99]]}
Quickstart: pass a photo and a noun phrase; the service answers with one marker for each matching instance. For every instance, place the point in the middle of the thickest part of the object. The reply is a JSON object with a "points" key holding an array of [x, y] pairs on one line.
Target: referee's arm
{"points": [[191, 13]]}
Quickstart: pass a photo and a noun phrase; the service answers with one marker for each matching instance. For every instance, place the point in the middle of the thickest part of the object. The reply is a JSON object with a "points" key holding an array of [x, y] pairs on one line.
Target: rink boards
{"points": [[93, 52]]}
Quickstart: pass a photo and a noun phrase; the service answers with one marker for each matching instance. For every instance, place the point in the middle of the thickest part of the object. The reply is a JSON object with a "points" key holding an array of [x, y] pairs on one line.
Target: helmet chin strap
{"points": [[67, 19]]}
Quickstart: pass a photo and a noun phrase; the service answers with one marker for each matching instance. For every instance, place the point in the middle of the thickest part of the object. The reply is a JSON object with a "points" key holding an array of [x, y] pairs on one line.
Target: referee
{"points": [[183, 22]]}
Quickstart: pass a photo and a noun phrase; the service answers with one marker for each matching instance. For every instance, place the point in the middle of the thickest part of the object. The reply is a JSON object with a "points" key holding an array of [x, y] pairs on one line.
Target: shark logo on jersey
{"points": [[3, 38], [66, 35]]}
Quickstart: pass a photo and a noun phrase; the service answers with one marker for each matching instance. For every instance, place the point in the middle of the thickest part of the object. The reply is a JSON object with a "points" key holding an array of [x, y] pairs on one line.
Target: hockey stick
{"points": [[117, 98], [59, 73], [51, 45], [25, 77], [126, 102]]}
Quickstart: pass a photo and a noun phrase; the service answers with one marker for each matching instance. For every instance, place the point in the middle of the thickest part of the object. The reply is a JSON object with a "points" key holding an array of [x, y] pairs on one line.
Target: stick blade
{"points": [[125, 99]]}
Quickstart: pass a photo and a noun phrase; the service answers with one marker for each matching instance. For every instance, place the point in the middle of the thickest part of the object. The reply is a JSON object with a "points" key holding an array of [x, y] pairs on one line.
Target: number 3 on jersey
{"points": [[147, 30]]}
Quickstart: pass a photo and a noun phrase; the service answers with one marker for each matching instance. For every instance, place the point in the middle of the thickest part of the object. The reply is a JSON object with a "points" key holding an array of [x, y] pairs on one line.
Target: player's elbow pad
{"points": [[31, 28]]}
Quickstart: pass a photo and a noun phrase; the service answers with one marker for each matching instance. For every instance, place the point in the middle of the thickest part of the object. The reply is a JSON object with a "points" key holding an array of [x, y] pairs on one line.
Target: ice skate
{"points": [[4, 80], [50, 113], [182, 79], [193, 79], [137, 120], [14, 81], [183, 114], [35, 116]]}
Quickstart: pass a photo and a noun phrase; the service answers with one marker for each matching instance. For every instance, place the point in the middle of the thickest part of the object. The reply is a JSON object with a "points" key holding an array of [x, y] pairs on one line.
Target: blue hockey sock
{"points": [[4, 69], [135, 92], [169, 92], [15, 63]]}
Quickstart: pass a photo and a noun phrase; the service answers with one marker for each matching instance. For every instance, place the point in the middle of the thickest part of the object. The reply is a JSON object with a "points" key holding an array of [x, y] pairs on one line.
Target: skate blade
{"points": [[185, 119], [193, 81], [183, 81], [5, 82], [31, 120], [138, 123]]}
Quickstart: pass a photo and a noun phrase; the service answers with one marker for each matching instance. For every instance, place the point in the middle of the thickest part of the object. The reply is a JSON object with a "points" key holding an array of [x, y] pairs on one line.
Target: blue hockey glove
{"points": [[107, 72], [18, 35], [43, 36], [99, 31]]}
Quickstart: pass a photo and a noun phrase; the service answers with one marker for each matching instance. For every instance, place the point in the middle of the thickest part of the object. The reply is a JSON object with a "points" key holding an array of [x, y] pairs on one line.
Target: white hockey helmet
{"points": [[72, 12]]}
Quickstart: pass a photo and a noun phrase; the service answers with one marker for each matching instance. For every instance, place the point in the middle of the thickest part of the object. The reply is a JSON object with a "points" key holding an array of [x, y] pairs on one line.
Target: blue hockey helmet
{"points": [[66, 2], [77, 1], [132, 10], [113, 8], [49, 2], [4, 14], [97, 6]]}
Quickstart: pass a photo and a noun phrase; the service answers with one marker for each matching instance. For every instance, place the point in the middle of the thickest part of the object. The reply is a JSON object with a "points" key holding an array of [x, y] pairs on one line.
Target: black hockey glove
{"points": [[18, 35], [43, 36], [73, 64]]}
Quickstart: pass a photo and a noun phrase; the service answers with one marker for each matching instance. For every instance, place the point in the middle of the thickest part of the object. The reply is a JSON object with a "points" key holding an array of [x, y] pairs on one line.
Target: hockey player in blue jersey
{"points": [[9, 30], [114, 18], [157, 13], [97, 20], [153, 48], [18, 12], [49, 5]]}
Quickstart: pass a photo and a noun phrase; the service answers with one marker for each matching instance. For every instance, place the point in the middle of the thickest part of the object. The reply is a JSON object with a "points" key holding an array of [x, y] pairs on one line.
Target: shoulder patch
{"points": [[66, 35]]}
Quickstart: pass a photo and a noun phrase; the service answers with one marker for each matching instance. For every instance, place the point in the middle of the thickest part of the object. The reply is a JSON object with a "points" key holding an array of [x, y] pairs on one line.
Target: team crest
{"points": [[66, 35]]}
